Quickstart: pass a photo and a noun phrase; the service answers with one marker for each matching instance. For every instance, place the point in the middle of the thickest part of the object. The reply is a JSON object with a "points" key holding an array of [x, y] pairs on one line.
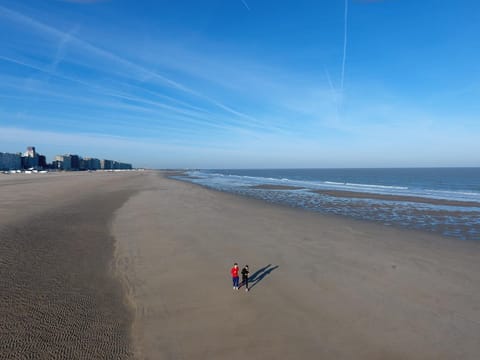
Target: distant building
{"points": [[42, 161], [30, 152], [83, 164], [57, 165], [90, 164], [10, 161], [94, 164], [30, 158], [121, 166], [75, 162], [63, 162], [70, 162], [106, 164]]}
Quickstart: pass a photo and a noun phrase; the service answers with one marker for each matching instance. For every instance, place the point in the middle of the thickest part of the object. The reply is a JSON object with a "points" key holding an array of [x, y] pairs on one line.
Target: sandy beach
{"points": [[59, 298], [328, 287], [135, 265]]}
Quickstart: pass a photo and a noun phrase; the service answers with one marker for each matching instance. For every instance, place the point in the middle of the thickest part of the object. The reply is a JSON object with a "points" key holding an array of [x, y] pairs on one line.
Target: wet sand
{"points": [[134, 265], [275, 187], [59, 298], [417, 199], [326, 287]]}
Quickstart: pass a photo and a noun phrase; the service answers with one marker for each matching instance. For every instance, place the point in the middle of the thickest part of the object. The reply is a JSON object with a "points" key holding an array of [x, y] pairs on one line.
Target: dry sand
{"points": [[326, 287]]}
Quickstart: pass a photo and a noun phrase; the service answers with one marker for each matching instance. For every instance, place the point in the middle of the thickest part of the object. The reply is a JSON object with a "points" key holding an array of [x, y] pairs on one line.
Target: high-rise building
{"points": [[30, 158], [10, 161], [75, 162], [106, 164], [30, 152], [121, 166], [91, 164], [42, 161], [63, 162]]}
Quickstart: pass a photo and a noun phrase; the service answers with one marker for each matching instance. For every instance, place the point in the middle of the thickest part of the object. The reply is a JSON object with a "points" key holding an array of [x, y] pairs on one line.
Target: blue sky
{"points": [[243, 84]]}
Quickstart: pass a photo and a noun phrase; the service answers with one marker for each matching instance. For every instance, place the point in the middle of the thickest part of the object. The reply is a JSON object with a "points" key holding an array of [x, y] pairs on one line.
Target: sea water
{"points": [[448, 187]]}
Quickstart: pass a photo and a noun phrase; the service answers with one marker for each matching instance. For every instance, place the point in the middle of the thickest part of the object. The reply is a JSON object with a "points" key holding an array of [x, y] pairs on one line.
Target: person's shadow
{"points": [[260, 274]]}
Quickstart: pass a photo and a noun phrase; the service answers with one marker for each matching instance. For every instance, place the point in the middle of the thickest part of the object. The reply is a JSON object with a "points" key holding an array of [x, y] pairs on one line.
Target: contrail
{"points": [[344, 45], [246, 5], [330, 84], [61, 48], [334, 93]]}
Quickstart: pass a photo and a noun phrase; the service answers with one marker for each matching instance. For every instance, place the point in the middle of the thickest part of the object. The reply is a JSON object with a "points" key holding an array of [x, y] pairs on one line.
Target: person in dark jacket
{"points": [[245, 273]]}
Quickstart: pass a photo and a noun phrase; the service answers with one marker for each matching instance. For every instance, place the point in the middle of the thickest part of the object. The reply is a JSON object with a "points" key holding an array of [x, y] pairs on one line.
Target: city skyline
{"points": [[33, 160], [243, 84]]}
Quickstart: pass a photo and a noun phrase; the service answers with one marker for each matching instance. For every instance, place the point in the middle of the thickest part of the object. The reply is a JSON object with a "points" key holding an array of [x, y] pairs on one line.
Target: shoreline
{"points": [[373, 196], [447, 218], [352, 194], [345, 217], [369, 195], [408, 232]]}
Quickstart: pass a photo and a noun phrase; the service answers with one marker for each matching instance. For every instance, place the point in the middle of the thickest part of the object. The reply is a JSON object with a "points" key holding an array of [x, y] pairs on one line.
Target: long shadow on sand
{"points": [[260, 274]]}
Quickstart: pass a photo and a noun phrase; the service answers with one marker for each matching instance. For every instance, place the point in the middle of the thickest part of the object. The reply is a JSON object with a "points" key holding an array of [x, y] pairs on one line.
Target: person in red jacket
{"points": [[234, 273]]}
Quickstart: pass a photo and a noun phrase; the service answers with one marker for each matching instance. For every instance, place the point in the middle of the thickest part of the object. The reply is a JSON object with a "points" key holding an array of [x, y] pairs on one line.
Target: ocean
{"points": [[439, 200]]}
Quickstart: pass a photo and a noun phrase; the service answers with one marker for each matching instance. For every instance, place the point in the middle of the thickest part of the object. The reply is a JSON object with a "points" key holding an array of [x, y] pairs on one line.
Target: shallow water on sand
{"points": [[443, 201]]}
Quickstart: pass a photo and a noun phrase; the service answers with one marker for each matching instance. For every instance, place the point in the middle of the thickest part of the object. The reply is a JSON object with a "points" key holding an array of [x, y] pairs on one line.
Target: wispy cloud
{"points": [[155, 112], [246, 5], [267, 92], [110, 56], [62, 48], [292, 105]]}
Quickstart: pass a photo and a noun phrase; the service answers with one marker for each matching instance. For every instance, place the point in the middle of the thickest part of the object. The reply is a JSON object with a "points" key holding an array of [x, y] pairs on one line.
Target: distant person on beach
{"points": [[245, 273], [234, 272]]}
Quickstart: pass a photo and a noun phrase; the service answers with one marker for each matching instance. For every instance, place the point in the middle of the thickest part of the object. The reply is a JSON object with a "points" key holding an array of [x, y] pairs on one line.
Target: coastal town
{"points": [[32, 161]]}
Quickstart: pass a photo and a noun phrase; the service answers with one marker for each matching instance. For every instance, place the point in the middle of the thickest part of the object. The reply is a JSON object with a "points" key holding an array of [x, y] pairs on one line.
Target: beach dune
{"points": [[136, 265]]}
